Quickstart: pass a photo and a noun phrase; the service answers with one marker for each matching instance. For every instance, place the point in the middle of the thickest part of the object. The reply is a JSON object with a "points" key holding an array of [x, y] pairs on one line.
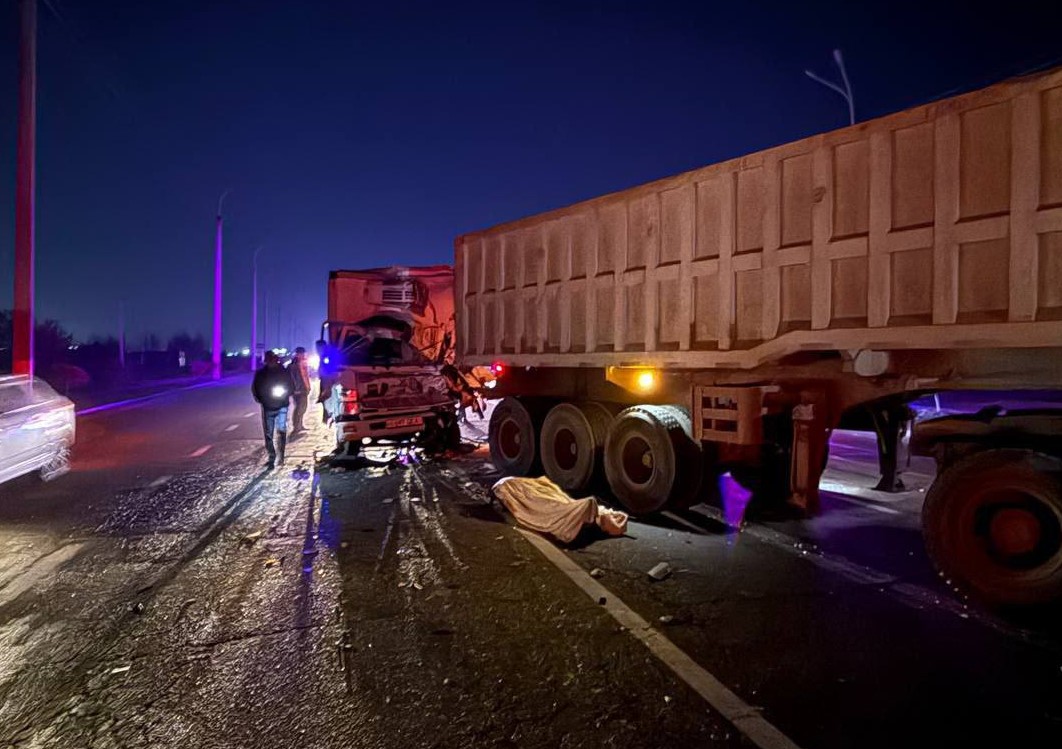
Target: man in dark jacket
{"points": [[272, 387], [300, 378]]}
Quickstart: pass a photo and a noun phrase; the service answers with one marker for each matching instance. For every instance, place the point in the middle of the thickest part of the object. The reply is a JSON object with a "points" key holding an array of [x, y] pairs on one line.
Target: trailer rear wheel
{"points": [[512, 439], [993, 526], [572, 442], [651, 459]]}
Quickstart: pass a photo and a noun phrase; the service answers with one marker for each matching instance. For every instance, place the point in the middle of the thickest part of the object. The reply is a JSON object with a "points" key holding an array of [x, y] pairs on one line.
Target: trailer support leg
{"points": [[810, 436], [890, 424]]}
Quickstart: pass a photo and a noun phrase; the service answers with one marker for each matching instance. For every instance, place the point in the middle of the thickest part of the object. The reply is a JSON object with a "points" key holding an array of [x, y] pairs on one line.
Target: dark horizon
{"points": [[358, 137]]}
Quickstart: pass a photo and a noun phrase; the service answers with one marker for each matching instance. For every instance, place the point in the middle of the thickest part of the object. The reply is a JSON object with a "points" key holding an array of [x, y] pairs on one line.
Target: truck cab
{"points": [[381, 374]]}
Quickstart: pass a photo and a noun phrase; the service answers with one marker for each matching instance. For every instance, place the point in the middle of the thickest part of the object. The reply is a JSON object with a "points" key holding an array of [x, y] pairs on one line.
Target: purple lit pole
{"points": [[22, 351], [254, 309], [216, 346]]}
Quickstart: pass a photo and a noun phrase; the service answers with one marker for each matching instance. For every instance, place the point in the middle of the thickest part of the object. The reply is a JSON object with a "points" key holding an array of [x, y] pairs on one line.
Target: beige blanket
{"points": [[542, 506]]}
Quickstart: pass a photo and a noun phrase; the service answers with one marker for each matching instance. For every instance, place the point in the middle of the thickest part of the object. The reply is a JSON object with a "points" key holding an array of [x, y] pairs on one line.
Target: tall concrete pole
{"points": [[22, 351], [216, 342], [254, 309], [121, 334]]}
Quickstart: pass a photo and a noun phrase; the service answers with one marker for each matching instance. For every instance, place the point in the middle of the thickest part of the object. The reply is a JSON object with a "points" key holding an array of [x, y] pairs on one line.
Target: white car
{"points": [[36, 428]]}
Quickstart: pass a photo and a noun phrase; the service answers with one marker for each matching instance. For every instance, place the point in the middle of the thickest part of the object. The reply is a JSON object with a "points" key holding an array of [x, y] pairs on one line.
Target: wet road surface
{"points": [[170, 592]]}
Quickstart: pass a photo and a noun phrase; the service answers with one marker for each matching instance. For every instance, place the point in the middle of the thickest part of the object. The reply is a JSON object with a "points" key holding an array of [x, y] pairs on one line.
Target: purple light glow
{"points": [[735, 500]]}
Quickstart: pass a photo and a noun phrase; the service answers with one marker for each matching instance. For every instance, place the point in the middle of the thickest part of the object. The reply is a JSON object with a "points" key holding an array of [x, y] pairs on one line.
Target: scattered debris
{"points": [[388, 501], [271, 562], [418, 586], [667, 619], [138, 607], [660, 572], [597, 573], [120, 669], [343, 544], [668, 699], [446, 681], [499, 538], [250, 538], [602, 601]]}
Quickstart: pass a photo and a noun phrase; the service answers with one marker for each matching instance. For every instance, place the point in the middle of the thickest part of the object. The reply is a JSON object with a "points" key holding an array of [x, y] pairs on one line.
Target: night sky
{"points": [[360, 134]]}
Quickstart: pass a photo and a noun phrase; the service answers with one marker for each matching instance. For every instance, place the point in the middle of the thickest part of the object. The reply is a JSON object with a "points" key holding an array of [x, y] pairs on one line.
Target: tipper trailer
{"points": [[728, 318]]}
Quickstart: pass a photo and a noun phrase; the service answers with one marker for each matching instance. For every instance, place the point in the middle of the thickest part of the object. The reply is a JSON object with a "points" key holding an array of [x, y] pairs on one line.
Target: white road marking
{"points": [[743, 716], [159, 482], [201, 451], [39, 570], [232, 427]]}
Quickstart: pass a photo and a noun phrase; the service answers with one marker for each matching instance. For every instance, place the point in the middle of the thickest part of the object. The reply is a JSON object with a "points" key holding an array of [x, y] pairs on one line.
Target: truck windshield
{"points": [[367, 351]]}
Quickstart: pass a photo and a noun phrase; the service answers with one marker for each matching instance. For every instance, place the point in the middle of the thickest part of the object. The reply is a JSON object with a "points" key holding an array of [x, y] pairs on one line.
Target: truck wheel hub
{"points": [[565, 449], [509, 439], [638, 460], [1014, 531]]}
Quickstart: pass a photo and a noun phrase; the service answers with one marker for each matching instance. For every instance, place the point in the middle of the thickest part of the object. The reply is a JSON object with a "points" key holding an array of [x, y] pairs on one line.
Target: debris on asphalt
{"points": [[602, 601], [250, 538], [667, 619], [597, 573], [271, 562], [120, 669], [138, 607], [660, 572], [668, 699]]}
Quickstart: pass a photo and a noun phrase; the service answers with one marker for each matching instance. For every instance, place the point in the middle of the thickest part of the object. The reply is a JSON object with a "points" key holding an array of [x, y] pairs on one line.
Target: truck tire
{"points": [[513, 440], [651, 459], [571, 444], [992, 524]]}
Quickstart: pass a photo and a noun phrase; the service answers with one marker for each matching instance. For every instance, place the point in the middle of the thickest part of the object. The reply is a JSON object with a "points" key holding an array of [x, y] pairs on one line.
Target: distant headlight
{"points": [[279, 391]]}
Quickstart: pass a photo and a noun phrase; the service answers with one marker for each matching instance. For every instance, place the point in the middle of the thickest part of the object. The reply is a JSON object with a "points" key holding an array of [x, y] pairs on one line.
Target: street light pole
{"points": [[23, 318], [121, 334], [216, 343], [845, 92], [254, 308]]}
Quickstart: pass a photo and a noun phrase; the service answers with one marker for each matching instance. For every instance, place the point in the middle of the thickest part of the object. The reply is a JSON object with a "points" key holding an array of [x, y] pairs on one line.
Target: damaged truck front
{"points": [[382, 352]]}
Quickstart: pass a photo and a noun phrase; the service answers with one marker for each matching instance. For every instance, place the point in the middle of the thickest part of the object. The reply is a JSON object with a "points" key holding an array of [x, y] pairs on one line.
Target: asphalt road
{"points": [[170, 592]]}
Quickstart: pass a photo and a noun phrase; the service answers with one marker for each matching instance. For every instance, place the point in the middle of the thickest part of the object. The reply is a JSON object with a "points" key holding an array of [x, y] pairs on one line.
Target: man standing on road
{"points": [[300, 378], [272, 387]]}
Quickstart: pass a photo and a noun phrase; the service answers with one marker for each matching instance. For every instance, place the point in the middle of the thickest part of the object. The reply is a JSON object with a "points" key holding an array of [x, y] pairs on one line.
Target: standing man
{"points": [[272, 387], [300, 378]]}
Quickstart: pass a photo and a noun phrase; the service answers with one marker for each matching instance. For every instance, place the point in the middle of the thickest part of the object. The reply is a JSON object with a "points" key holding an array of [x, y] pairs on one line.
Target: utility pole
{"points": [[254, 309], [845, 92], [23, 319], [216, 343], [121, 334]]}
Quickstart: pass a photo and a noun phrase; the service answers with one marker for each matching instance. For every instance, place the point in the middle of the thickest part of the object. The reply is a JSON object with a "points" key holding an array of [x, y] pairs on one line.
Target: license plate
{"points": [[409, 421]]}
